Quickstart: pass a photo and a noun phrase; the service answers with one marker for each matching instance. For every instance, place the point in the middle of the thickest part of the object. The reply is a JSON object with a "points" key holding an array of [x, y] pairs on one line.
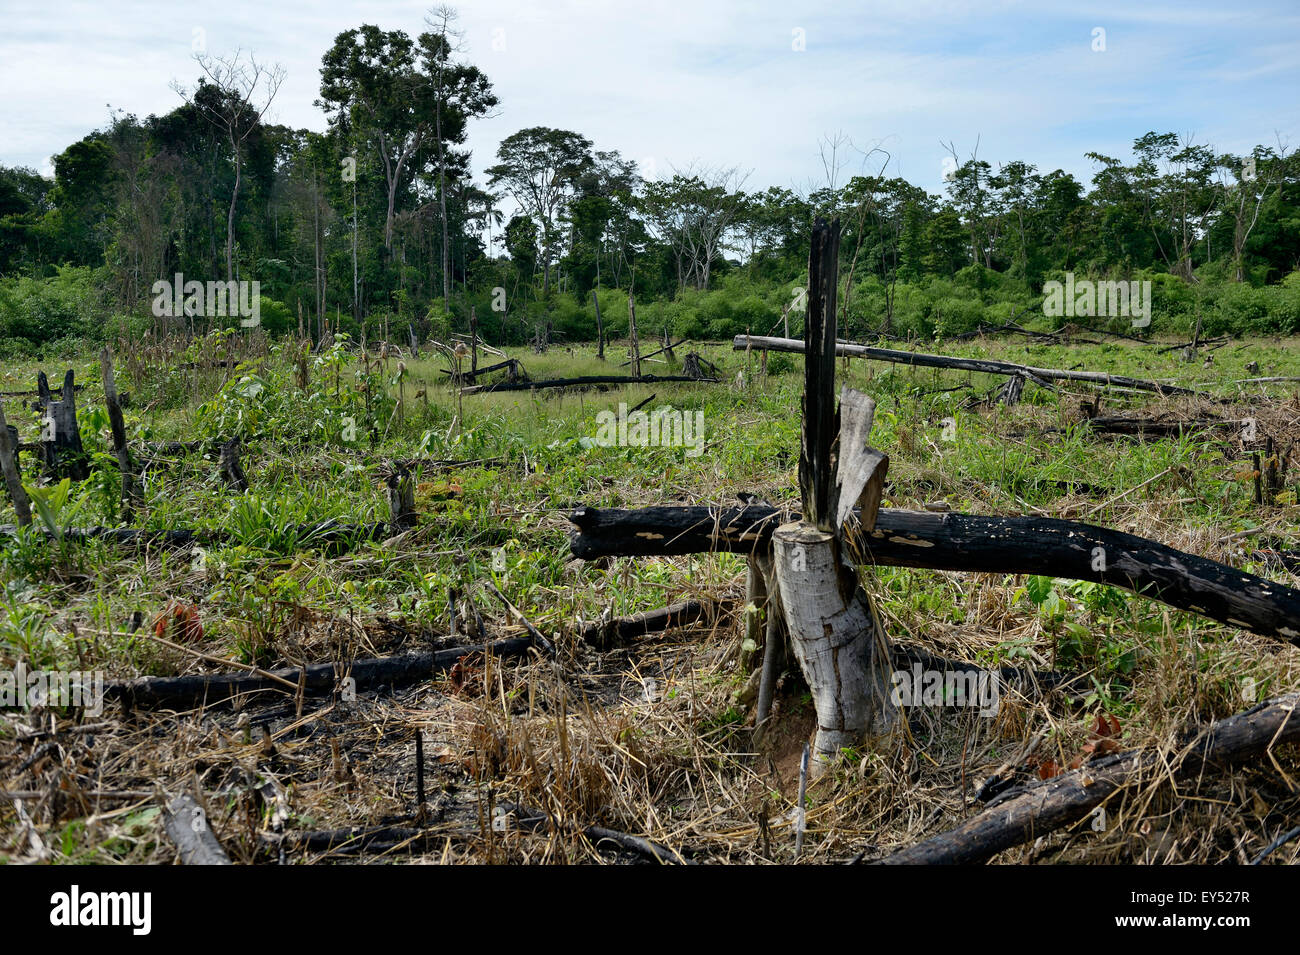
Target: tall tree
{"points": [[540, 168], [459, 92]]}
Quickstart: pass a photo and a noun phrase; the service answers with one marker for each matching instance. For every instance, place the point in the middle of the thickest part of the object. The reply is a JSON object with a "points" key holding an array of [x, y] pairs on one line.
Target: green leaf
{"points": [[1039, 588]]}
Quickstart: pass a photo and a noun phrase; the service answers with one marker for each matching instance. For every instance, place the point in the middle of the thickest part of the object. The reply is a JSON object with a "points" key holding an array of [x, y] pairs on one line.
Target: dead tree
{"points": [[131, 497], [836, 635], [61, 450], [696, 366]]}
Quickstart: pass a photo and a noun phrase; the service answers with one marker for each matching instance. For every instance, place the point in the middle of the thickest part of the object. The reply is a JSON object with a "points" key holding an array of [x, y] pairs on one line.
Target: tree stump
{"points": [[61, 451], [231, 470], [838, 642]]}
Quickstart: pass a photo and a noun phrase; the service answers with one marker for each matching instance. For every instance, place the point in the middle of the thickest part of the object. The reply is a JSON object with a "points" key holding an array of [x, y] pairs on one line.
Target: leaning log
{"points": [[578, 382], [969, 543], [1049, 805], [207, 689], [329, 533], [988, 366]]}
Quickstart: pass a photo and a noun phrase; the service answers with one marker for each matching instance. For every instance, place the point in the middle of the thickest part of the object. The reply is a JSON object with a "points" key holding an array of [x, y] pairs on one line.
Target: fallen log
{"points": [[312, 535], [207, 689], [512, 364], [34, 392], [581, 381], [1164, 429], [969, 543], [1045, 806], [354, 839], [534, 819], [621, 629], [988, 366], [1192, 344]]}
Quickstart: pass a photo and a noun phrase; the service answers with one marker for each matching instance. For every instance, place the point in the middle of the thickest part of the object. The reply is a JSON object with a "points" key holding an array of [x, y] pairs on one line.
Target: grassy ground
{"points": [[655, 738]]}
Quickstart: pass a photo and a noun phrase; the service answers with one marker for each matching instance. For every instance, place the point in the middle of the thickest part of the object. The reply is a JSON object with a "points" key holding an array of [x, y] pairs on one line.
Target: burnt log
{"points": [[622, 629], [1018, 816], [581, 381], [10, 472], [968, 543], [207, 689]]}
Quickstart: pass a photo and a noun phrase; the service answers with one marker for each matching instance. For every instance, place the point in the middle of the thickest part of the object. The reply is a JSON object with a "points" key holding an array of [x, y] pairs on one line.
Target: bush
{"points": [[43, 310]]}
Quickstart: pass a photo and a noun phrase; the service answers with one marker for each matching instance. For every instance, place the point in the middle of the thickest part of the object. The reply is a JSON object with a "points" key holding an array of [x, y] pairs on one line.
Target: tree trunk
{"points": [[230, 215], [60, 436]]}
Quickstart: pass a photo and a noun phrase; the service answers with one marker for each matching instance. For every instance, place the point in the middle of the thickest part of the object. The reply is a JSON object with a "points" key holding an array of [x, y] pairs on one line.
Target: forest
{"points": [[378, 223]]}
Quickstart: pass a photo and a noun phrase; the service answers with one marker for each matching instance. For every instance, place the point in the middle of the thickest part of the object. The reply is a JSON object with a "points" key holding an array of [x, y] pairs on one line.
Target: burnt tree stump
{"points": [[61, 452]]}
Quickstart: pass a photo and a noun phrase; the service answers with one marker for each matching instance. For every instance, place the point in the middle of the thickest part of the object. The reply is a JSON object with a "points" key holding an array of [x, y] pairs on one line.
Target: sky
{"points": [[761, 86]]}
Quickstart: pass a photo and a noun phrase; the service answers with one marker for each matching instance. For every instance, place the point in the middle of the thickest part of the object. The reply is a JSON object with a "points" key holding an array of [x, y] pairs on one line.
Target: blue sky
{"points": [[720, 82]]}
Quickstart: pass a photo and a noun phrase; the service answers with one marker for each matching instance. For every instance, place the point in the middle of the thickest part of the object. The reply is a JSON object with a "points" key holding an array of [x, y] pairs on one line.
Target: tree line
{"points": [[379, 218]]}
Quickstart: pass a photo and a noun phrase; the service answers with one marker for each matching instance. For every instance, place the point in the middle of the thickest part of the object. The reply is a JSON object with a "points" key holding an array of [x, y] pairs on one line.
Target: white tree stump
{"points": [[842, 650]]}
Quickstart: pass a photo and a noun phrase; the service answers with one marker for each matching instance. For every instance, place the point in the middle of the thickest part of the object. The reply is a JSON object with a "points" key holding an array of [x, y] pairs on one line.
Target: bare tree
{"points": [[231, 107]]}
